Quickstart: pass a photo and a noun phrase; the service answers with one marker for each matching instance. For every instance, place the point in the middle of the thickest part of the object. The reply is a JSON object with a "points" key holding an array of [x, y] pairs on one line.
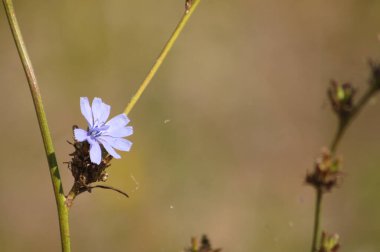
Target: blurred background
{"points": [[223, 136]]}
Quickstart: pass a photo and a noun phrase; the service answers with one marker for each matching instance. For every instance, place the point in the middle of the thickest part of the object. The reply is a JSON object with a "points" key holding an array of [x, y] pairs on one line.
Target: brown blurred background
{"points": [[223, 136]]}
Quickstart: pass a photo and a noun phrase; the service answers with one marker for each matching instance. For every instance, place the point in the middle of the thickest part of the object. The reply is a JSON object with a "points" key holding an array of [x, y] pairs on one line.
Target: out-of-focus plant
{"points": [[91, 145], [329, 243], [204, 246], [94, 147], [327, 168]]}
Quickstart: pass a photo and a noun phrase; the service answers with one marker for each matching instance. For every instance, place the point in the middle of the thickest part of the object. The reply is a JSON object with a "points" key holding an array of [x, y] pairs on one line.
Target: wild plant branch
{"points": [[346, 115], [345, 122], [191, 6], [44, 128]]}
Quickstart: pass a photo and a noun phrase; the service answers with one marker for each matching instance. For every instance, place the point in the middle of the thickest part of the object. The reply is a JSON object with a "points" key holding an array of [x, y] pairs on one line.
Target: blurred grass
{"points": [[244, 90]]}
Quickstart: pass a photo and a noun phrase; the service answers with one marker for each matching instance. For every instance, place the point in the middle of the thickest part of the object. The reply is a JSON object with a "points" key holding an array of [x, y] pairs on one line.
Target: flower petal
{"points": [[121, 132], [97, 110], [86, 110], [80, 135], [118, 122], [95, 152], [109, 149], [106, 109], [117, 143]]}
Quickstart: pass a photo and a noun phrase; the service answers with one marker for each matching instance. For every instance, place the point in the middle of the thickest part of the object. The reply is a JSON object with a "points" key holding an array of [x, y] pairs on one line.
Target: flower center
{"points": [[97, 131]]}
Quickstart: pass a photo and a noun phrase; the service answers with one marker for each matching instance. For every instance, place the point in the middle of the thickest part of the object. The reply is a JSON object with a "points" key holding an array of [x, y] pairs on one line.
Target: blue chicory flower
{"points": [[109, 134]]}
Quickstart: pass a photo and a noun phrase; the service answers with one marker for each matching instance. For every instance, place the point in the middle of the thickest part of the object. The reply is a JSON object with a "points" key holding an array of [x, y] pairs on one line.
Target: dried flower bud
{"points": [[329, 243], [85, 172], [188, 4], [104, 177], [341, 98], [204, 247], [326, 172]]}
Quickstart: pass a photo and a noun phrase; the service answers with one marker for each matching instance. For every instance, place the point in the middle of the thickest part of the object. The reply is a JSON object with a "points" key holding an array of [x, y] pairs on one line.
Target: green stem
{"points": [[41, 116], [317, 220], [185, 18], [342, 127], [344, 123], [339, 134]]}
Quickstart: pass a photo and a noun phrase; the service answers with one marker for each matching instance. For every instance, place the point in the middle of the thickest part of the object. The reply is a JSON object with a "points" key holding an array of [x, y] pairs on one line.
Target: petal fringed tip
{"points": [[86, 110], [118, 121]]}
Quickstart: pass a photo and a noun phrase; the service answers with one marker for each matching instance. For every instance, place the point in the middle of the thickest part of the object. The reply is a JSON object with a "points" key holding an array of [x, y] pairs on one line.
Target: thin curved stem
{"points": [[42, 121], [317, 220], [338, 135], [344, 123], [342, 128], [185, 18]]}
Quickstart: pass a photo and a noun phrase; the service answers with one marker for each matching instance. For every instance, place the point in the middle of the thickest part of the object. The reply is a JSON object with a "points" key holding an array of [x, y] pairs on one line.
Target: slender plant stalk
{"points": [[342, 127], [185, 18], [42, 121], [343, 124], [317, 220]]}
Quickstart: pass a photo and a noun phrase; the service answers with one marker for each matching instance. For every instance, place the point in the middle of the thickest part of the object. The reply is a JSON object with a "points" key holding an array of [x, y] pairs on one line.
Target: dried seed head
{"points": [[327, 171], [104, 177], [329, 243], [205, 245], [85, 172], [341, 97], [188, 4]]}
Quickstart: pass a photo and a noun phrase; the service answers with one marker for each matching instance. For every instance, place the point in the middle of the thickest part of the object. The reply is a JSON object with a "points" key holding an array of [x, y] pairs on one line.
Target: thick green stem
{"points": [[317, 220], [46, 136], [185, 18]]}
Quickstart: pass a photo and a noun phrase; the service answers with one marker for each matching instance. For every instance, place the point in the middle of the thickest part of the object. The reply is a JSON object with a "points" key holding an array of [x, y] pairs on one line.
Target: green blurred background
{"points": [[223, 136]]}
